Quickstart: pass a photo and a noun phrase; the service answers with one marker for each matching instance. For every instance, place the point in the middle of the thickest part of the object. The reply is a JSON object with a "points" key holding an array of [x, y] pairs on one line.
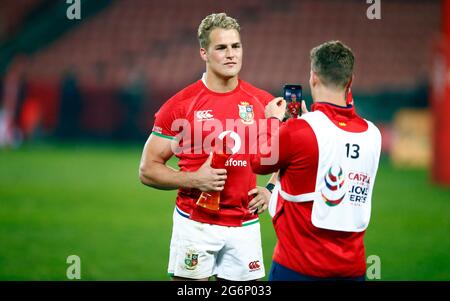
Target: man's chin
{"points": [[229, 75], [231, 72]]}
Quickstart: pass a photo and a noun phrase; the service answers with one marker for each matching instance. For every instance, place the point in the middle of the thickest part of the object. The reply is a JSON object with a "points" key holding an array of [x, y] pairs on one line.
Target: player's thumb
{"points": [[209, 160]]}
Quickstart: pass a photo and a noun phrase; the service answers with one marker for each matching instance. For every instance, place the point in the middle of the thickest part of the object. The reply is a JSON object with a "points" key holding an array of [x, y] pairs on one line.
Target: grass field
{"points": [[87, 200]]}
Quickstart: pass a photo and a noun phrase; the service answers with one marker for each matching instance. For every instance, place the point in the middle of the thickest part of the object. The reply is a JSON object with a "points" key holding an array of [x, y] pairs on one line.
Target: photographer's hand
{"points": [[276, 108]]}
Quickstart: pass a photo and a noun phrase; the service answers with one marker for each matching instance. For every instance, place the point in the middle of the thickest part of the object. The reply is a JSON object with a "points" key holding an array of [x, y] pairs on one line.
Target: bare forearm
{"points": [[163, 177], [273, 178]]}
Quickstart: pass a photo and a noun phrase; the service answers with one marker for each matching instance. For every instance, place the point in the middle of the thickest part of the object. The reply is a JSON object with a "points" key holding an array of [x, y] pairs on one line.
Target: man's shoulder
{"points": [[297, 128], [299, 134], [373, 127], [261, 94], [188, 93], [298, 123], [310, 116], [178, 104]]}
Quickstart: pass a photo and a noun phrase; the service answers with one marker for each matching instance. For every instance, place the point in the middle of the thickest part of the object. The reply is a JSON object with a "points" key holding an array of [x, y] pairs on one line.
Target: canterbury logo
{"points": [[254, 265], [204, 115]]}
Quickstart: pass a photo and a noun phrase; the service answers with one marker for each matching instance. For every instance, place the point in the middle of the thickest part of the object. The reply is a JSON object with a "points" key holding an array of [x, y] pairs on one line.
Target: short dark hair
{"points": [[333, 63]]}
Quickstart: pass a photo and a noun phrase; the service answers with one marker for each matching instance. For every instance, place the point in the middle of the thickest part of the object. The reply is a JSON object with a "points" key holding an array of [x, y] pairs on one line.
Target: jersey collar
{"points": [[335, 112]]}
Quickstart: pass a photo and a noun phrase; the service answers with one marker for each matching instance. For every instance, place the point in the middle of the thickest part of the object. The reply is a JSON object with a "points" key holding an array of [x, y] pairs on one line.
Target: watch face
{"points": [[270, 187]]}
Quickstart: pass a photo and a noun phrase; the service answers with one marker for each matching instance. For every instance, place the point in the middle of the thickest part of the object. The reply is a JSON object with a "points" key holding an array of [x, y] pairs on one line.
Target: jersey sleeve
{"points": [[265, 97], [293, 140], [274, 148], [165, 125]]}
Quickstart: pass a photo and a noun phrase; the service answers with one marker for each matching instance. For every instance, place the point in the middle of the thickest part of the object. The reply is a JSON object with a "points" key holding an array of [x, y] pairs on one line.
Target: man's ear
{"points": [[204, 54], [314, 79]]}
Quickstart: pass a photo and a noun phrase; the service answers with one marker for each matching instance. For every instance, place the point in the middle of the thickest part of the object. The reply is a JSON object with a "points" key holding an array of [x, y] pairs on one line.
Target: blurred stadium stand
{"points": [[128, 57], [13, 13]]}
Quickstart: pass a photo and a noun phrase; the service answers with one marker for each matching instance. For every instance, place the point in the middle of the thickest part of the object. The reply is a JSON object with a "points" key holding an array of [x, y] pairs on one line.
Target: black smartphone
{"points": [[293, 96]]}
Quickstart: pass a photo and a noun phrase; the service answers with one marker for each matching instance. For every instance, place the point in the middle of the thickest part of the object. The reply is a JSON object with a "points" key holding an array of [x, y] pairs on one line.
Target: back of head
{"points": [[333, 63], [213, 21]]}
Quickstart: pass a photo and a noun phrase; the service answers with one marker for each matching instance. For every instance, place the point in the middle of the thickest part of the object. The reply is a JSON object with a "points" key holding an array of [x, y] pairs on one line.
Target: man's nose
{"points": [[230, 52]]}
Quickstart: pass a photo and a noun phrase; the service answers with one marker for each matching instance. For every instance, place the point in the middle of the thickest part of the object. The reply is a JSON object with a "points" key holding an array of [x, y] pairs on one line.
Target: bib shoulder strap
{"points": [[301, 198]]}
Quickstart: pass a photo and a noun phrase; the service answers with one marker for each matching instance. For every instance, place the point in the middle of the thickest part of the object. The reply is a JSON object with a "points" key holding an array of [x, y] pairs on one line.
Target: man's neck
{"points": [[219, 84], [333, 97]]}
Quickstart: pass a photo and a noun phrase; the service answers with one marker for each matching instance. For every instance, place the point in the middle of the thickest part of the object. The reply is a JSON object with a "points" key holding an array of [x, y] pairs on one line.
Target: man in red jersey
{"points": [[227, 242], [327, 165], [293, 107]]}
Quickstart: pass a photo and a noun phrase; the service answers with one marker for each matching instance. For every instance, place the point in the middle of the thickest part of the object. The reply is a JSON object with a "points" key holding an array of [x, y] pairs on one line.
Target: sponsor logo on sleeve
{"points": [[157, 129]]}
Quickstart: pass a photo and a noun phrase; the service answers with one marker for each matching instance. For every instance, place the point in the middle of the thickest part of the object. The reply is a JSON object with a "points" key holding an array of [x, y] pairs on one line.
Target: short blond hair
{"points": [[213, 21]]}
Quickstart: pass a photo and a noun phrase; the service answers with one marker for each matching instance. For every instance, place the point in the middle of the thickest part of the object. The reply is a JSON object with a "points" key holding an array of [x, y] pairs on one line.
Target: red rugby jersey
{"points": [[301, 246], [197, 115], [293, 109]]}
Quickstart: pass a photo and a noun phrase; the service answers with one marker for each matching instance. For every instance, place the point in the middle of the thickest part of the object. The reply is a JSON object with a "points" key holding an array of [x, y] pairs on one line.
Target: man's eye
{"points": [[236, 46]]}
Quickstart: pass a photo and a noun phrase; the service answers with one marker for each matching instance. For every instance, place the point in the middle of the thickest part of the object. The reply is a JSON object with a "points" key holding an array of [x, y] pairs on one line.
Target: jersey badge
{"points": [[246, 112], [191, 260]]}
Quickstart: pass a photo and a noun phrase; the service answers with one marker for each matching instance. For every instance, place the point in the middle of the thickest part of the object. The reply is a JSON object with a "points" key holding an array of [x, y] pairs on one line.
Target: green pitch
{"points": [[56, 201]]}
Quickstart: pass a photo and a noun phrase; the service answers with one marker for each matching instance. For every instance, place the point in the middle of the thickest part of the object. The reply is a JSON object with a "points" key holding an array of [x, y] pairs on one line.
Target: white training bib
{"points": [[346, 171]]}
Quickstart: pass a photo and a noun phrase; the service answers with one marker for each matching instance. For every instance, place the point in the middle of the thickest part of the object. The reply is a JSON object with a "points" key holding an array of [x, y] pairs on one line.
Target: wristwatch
{"points": [[270, 187]]}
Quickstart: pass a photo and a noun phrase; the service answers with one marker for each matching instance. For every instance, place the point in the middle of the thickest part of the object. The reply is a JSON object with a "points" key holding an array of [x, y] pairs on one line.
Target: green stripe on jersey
{"points": [[163, 136]]}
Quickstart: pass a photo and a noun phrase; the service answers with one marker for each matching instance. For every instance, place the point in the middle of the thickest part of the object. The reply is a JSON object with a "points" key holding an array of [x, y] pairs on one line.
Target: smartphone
{"points": [[293, 96]]}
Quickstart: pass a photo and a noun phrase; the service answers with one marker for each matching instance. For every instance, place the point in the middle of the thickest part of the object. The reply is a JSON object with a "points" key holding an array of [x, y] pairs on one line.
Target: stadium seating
{"points": [[12, 14], [160, 35], [157, 41]]}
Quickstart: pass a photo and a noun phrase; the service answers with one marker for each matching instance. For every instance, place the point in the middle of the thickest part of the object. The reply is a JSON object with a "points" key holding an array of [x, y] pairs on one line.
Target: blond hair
{"points": [[213, 21]]}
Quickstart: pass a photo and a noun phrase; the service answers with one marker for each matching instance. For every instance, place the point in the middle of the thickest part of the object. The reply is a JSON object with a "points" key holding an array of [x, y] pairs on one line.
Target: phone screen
{"points": [[293, 96]]}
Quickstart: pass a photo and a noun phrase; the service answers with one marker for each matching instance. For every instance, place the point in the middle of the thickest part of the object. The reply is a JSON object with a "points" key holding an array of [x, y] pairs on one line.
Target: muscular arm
{"points": [[154, 172]]}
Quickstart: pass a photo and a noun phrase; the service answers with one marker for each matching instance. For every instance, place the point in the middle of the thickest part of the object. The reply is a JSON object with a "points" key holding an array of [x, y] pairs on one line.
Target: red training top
{"points": [[198, 116], [301, 246]]}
